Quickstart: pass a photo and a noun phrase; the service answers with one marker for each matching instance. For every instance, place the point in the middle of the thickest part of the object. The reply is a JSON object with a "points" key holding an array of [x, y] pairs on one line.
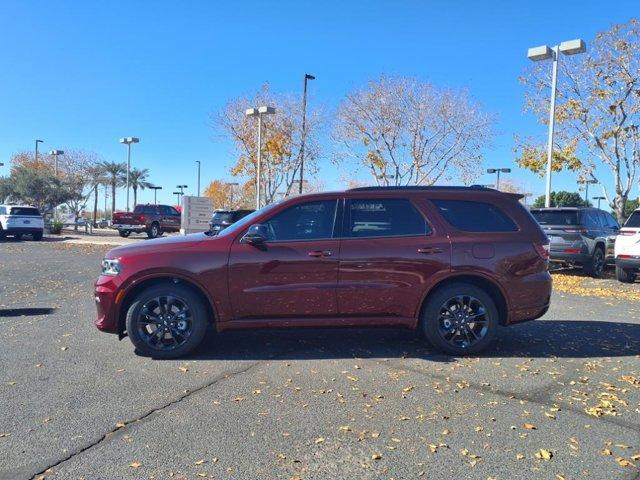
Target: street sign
{"points": [[196, 214]]}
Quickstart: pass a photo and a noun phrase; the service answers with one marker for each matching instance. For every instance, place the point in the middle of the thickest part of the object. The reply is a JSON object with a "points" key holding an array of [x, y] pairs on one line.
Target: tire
{"points": [[37, 236], [2, 233], [625, 275], [154, 230], [595, 268], [439, 321], [179, 300], [124, 233]]}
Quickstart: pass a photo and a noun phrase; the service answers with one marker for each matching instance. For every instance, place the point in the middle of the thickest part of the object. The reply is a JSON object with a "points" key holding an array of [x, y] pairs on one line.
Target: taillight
{"points": [[627, 232], [575, 230], [542, 249]]}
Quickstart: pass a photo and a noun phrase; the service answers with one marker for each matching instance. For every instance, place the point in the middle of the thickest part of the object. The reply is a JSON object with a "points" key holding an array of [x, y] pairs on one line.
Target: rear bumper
{"points": [[130, 228], [561, 256], [22, 230], [532, 299], [628, 263]]}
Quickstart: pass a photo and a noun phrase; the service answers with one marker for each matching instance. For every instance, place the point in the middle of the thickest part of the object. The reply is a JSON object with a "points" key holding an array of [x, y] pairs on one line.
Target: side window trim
{"points": [[333, 230], [346, 219]]}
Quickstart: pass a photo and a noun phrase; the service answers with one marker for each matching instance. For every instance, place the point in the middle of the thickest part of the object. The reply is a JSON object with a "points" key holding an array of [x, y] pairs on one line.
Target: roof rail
{"points": [[420, 187]]}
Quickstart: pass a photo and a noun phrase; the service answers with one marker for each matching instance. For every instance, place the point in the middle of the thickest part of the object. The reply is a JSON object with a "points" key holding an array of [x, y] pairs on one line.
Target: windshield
{"points": [[556, 217], [27, 211], [246, 221], [634, 220], [220, 217]]}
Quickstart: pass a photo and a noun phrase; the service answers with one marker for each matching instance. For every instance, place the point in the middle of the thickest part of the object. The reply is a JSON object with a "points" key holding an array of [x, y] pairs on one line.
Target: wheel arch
{"points": [[134, 289], [488, 285]]}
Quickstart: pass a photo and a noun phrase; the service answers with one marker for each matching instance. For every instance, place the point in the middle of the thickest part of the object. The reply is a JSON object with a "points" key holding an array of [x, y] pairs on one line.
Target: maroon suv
{"points": [[454, 263]]}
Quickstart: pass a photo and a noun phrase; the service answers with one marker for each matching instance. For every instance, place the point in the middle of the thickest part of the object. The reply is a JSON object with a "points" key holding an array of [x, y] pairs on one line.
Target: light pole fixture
{"points": [[128, 141], [497, 172], [177, 194], [304, 127], [182, 187], [544, 52], [599, 198], [586, 189], [198, 162], [155, 193], [55, 154], [259, 112], [37, 142]]}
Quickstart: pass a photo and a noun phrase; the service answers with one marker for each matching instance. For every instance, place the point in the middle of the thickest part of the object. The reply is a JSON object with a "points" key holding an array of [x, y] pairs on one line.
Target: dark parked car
{"points": [[454, 263], [221, 219], [579, 236], [150, 219]]}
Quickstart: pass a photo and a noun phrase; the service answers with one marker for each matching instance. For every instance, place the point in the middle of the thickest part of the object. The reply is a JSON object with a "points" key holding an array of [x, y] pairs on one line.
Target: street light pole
{"points": [[55, 154], [128, 141], [37, 142], [543, 52], [177, 194], [259, 112], [586, 190], [599, 198], [198, 162], [304, 128], [155, 193], [497, 171]]}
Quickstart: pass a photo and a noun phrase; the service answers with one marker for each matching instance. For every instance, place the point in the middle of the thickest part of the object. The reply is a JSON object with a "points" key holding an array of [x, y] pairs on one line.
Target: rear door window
{"points": [[556, 217], [25, 211], [383, 217], [469, 216]]}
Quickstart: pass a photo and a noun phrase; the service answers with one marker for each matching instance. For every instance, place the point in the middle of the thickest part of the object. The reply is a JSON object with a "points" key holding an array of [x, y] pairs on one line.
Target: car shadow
{"points": [[25, 312], [543, 339]]}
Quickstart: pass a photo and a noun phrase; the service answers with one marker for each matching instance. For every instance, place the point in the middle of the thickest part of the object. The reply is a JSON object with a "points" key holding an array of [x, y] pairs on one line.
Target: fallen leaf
{"points": [[135, 465], [529, 426], [319, 440], [120, 424], [543, 454], [199, 462], [623, 462], [376, 456]]}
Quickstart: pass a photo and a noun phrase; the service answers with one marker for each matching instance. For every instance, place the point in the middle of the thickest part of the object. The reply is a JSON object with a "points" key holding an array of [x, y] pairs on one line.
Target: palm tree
{"points": [[138, 180], [113, 172], [97, 177]]}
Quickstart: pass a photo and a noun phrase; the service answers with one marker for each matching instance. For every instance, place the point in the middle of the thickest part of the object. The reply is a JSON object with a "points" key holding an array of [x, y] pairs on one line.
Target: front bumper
{"points": [[628, 263], [106, 298]]}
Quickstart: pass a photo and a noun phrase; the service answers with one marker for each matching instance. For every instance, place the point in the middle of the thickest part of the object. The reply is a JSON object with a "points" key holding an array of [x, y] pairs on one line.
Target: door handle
{"points": [[429, 250], [319, 253]]}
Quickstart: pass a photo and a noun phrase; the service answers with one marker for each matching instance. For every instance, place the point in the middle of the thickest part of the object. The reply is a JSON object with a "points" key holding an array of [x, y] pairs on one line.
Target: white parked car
{"points": [[18, 220], [627, 250]]}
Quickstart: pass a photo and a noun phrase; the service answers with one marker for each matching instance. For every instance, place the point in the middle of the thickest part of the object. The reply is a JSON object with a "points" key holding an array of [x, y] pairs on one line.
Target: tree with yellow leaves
{"points": [[281, 141], [597, 113]]}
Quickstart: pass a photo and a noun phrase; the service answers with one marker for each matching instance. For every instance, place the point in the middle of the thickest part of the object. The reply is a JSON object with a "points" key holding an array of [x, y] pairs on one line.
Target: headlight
{"points": [[111, 266]]}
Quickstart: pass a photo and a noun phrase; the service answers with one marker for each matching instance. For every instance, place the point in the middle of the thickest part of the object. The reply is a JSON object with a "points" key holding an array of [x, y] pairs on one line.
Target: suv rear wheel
{"points": [[154, 230], [124, 233], [595, 268], [460, 319], [625, 275], [166, 321], [37, 236]]}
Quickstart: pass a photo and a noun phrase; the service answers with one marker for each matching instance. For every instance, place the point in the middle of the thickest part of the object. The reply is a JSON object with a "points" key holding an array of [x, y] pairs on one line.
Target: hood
{"points": [[159, 245]]}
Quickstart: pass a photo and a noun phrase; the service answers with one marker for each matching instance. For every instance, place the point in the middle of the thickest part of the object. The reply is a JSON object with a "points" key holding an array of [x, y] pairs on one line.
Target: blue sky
{"points": [[83, 74]]}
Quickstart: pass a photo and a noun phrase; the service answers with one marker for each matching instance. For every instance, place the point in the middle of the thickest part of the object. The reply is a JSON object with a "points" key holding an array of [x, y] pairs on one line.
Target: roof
{"points": [[422, 188]]}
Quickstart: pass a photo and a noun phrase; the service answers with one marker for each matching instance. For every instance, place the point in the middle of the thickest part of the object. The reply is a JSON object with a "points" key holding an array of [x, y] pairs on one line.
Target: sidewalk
{"points": [[98, 237]]}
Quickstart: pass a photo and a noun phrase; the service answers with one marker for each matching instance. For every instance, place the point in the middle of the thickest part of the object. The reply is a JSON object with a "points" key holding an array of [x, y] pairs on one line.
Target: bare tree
{"points": [[281, 141], [408, 132], [597, 112]]}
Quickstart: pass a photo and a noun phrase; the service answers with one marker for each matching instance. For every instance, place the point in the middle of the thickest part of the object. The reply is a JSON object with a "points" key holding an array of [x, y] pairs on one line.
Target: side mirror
{"points": [[256, 235]]}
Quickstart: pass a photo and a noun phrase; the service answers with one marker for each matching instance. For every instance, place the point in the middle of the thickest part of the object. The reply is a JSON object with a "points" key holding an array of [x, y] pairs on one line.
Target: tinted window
{"points": [[305, 221], [27, 211], [634, 220], [611, 222], [383, 218], [556, 217], [222, 217], [475, 216], [590, 219], [149, 209]]}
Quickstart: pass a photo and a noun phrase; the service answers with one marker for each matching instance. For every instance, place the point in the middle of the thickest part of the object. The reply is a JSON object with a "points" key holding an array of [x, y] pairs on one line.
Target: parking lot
{"points": [[557, 398]]}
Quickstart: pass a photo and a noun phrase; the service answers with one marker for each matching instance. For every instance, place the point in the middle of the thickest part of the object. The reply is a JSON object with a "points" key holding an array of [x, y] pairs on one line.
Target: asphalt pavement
{"points": [[557, 398]]}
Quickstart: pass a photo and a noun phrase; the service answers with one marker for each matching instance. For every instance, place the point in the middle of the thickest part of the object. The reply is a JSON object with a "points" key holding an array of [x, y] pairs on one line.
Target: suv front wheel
{"points": [[625, 275], [154, 230], [460, 319], [166, 321]]}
